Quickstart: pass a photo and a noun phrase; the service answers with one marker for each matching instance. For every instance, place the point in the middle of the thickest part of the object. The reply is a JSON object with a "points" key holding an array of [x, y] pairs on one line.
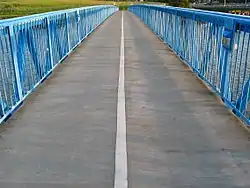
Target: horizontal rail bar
{"points": [[215, 46], [31, 47]]}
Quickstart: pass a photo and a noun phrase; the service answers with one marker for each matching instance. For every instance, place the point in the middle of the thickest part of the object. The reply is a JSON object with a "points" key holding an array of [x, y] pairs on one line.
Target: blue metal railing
{"points": [[32, 46], [214, 45]]}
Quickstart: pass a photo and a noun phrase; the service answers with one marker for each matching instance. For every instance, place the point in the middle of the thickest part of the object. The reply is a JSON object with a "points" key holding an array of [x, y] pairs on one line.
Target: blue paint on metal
{"points": [[31, 47], [214, 45]]}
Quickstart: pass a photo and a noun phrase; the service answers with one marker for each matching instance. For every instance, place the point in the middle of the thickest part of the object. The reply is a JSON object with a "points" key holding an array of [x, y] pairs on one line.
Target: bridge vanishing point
{"points": [[123, 109]]}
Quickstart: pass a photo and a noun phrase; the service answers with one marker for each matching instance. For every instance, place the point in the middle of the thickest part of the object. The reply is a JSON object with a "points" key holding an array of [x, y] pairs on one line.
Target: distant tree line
{"points": [[218, 1], [176, 3]]}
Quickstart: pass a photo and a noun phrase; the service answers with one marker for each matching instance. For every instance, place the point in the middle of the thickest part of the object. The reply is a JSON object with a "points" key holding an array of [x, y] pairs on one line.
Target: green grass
{"points": [[14, 8]]}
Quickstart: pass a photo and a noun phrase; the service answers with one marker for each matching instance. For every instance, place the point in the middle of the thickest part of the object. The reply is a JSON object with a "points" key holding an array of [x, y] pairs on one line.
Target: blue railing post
{"points": [[78, 25], [227, 42], [68, 29], [194, 45], [49, 41], [15, 61]]}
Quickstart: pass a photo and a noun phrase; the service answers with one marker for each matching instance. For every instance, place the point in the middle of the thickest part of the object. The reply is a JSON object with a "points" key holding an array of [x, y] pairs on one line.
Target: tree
{"points": [[185, 3], [179, 3]]}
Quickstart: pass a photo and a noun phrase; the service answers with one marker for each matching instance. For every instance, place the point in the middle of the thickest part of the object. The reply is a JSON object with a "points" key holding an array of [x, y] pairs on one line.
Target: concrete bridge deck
{"points": [[178, 134]]}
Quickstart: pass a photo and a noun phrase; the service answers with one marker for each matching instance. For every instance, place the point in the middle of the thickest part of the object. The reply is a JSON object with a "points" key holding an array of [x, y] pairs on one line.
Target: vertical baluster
{"points": [[14, 57], [50, 42], [68, 30]]}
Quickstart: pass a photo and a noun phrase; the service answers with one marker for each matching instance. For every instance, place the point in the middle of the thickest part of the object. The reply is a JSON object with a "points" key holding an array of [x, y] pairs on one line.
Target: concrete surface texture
{"points": [[178, 134]]}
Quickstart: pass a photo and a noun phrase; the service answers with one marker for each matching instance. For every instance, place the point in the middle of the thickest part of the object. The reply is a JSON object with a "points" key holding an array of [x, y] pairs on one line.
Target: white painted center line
{"points": [[121, 172]]}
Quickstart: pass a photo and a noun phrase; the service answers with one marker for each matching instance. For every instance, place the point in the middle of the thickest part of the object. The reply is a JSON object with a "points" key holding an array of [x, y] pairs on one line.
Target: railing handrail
{"points": [[195, 11], [201, 15], [45, 14]]}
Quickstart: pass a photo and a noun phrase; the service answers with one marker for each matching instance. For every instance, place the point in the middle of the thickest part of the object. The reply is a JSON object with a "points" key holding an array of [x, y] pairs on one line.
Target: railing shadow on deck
{"points": [[32, 46], [214, 45]]}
